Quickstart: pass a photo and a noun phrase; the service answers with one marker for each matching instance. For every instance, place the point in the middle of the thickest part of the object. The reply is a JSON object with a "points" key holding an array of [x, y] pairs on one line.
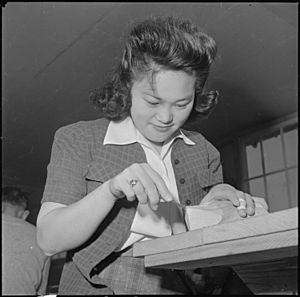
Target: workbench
{"points": [[262, 250]]}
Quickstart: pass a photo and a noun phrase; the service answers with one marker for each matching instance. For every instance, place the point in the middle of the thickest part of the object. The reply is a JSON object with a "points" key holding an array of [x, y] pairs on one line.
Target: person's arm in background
{"points": [[42, 290]]}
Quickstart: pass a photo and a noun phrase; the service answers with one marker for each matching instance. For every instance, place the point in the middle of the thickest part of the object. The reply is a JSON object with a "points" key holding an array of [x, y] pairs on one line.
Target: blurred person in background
{"points": [[25, 267]]}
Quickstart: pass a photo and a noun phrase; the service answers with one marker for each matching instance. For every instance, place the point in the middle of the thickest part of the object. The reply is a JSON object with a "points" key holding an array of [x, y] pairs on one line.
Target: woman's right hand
{"points": [[149, 188]]}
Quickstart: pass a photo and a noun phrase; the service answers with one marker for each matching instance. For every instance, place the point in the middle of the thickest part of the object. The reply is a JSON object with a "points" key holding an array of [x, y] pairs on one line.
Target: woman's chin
{"points": [[158, 139]]}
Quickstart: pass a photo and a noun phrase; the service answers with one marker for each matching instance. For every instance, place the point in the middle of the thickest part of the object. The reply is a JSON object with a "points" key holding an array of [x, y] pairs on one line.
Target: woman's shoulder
{"points": [[84, 128], [200, 140], [195, 136]]}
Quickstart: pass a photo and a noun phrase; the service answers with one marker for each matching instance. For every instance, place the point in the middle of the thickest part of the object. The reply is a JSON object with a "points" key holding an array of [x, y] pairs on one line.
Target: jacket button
{"points": [[188, 202], [176, 161], [182, 180]]}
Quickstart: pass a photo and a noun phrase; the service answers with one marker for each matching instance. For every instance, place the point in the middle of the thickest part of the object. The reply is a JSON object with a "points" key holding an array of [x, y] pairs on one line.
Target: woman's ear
{"points": [[25, 214]]}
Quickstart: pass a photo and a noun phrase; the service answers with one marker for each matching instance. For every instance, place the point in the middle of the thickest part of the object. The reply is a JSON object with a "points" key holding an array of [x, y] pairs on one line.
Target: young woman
{"points": [[109, 180]]}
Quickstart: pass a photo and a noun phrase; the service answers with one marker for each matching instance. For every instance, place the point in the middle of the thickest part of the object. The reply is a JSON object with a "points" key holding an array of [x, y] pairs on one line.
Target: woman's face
{"points": [[158, 110]]}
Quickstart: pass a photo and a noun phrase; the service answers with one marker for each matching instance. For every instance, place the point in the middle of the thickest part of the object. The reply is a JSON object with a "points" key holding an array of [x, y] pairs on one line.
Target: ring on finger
{"points": [[242, 203], [133, 182]]}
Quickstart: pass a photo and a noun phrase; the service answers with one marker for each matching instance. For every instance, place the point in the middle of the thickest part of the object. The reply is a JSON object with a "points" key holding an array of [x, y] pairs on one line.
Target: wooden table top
{"points": [[240, 244]]}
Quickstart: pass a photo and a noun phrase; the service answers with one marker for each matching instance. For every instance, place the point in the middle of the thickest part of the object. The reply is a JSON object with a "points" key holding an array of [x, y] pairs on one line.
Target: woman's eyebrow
{"points": [[186, 98], [152, 95], [158, 98]]}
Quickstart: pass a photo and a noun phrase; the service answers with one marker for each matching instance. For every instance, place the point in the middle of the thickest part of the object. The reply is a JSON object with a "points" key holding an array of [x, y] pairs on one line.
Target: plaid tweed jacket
{"points": [[80, 163]]}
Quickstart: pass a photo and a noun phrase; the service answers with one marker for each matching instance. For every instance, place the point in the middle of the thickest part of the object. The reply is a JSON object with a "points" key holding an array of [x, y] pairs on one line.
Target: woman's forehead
{"points": [[167, 83]]}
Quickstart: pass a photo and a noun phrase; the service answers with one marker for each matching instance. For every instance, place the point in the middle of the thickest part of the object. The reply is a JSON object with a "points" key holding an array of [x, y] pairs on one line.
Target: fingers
{"points": [[223, 192], [139, 191], [159, 184], [148, 189], [247, 204], [120, 188], [250, 205], [244, 202]]}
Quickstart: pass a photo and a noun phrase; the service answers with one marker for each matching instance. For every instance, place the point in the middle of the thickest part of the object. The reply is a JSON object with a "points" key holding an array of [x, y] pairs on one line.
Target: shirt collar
{"points": [[124, 132], [120, 133], [185, 138]]}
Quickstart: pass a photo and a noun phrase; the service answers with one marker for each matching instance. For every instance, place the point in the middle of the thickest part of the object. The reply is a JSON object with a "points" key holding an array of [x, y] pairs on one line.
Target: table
{"points": [[263, 250]]}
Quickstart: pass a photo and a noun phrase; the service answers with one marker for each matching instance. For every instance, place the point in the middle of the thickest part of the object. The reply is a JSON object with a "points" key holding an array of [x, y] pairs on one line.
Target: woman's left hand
{"points": [[243, 201]]}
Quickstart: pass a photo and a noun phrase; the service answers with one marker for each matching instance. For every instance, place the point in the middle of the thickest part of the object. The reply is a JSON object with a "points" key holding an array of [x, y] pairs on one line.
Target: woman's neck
{"points": [[157, 146]]}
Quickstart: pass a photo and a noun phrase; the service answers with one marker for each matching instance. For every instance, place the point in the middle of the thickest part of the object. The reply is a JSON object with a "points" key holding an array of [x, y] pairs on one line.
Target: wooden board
{"points": [[246, 228], [233, 252]]}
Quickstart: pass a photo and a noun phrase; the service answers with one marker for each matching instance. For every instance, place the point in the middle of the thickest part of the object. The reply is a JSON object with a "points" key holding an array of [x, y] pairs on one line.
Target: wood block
{"points": [[218, 212], [251, 226], [198, 217]]}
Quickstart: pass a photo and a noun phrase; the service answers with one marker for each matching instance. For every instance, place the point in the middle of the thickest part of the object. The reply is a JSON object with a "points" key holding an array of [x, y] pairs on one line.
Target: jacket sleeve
{"points": [[65, 173], [214, 165]]}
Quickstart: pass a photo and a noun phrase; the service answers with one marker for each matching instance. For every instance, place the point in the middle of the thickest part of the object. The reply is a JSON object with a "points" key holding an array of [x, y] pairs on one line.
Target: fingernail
{"points": [[242, 203], [251, 211], [154, 207], [168, 197], [243, 213]]}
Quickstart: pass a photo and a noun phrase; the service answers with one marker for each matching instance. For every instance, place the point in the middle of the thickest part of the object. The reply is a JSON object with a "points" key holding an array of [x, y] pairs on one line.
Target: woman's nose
{"points": [[165, 115]]}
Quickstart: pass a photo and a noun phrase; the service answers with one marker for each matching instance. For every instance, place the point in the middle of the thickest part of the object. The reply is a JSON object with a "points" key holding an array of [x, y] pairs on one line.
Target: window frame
{"points": [[261, 134]]}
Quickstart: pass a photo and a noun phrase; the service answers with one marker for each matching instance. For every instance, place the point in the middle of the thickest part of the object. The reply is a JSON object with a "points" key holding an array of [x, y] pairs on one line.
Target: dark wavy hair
{"points": [[15, 196], [159, 43]]}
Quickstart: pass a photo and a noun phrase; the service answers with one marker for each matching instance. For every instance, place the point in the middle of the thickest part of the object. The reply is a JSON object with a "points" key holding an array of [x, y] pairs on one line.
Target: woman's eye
{"points": [[181, 105], [153, 103]]}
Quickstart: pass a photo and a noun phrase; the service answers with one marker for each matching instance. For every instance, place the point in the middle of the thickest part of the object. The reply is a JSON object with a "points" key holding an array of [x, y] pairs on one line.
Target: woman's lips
{"points": [[162, 128]]}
